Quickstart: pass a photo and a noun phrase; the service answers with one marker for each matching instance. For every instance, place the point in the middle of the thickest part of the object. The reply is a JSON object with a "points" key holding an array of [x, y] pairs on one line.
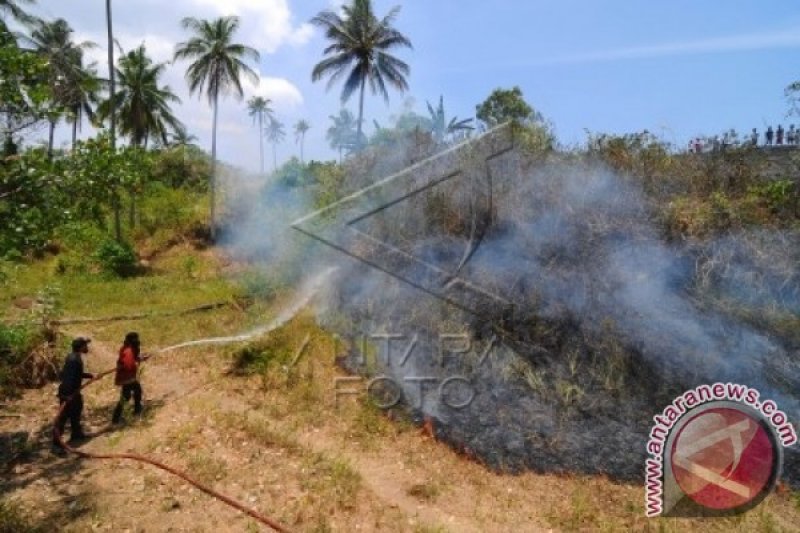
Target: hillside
{"points": [[274, 439]]}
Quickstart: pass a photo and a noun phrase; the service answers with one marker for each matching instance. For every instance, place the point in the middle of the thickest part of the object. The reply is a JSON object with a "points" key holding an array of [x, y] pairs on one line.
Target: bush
{"points": [[258, 285], [175, 211], [780, 197], [182, 166], [7, 272], [17, 342], [116, 259]]}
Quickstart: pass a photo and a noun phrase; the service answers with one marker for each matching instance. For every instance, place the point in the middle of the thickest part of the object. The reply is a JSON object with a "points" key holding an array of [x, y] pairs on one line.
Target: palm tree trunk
{"points": [[213, 180], [50, 140], [261, 139], [274, 156], [360, 113], [113, 128], [302, 142], [74, 132]]}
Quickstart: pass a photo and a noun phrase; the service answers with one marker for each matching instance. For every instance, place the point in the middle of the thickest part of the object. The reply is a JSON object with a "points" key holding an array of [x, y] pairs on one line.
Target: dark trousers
{"points": [[71, 412], [129, 389]]}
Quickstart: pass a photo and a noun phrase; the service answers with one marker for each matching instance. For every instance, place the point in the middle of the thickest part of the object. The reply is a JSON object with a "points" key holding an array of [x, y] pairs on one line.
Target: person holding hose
{"points": [[69, 393], [127, 375]]}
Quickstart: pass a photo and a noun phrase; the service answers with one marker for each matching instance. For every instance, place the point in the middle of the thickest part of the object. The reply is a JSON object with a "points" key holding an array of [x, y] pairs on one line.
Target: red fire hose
{"points": [[142, 459]]}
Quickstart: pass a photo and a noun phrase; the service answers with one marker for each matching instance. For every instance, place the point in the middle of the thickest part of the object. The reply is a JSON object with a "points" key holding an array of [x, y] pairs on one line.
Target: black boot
{"points": [[117, 417]]}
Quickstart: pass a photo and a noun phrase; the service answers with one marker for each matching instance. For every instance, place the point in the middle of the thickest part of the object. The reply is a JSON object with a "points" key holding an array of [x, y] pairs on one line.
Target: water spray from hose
{"points": [[307, 293]]}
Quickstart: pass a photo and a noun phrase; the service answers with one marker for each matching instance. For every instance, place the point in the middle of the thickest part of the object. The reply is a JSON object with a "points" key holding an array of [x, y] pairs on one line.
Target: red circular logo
{"points": [[724, 459]]}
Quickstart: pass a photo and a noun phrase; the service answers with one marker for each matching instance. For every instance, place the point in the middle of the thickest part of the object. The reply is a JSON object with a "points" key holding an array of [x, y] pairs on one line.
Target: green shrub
{"points": [[258, 285], [779, 196], [80, 236], [182, 167], [175, 210], [116, 259], [8, 271], [16, 343], [262, 356]]}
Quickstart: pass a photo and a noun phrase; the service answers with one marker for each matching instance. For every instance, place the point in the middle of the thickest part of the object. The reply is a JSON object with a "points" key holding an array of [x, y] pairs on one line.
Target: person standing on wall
{"points": [[127, 376]]}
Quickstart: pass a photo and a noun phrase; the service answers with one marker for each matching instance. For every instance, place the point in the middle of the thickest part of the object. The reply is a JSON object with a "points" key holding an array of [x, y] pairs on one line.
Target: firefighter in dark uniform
{"points": [[69, 392]]}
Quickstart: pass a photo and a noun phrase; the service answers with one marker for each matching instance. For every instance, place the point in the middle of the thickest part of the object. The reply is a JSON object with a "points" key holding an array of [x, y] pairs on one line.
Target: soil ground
{"points": [[281, 443]]}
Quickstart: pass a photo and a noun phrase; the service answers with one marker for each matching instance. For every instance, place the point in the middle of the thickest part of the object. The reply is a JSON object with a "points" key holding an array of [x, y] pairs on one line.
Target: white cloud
{"points": [[159, 48], [281, 91], [267, 24]]}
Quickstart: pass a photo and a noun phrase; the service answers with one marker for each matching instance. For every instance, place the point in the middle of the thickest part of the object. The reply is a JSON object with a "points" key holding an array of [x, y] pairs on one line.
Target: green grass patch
{"points": [[13, 519], [334, 478]]}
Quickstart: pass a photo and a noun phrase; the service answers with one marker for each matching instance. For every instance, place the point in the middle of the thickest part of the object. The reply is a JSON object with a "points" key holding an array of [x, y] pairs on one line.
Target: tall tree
{"points": [[275, 134], [342, 133], [218, 64], [504, 105], [181, 137], [13, 9], [141, 105], [300, 130], [359, 48], [113, 117], [24, 91], [440, 127], [53, 41], [84, 100], [258, 108]]}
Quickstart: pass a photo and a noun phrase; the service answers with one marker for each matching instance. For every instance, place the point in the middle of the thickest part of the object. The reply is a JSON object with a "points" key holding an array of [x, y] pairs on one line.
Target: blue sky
{"points": [[677, 68]]}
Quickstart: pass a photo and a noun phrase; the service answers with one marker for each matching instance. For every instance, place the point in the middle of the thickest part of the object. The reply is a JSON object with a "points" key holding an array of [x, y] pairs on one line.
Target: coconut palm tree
{"points": [[258, 108], [275, 134], [53, 41], [141, 105], [113, 117], [13, 9], [300, 130], [342, 133], [440, 128], [218, 64], [182, 138], [359, 49], [85, 99]]}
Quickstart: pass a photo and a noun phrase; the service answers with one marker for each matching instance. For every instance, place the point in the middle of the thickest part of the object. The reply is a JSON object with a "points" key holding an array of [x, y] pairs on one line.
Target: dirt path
{"points": [[185, 402]]}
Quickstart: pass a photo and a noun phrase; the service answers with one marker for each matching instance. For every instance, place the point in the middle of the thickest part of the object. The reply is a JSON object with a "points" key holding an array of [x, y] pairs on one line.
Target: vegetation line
{"points": [[139, 316]]}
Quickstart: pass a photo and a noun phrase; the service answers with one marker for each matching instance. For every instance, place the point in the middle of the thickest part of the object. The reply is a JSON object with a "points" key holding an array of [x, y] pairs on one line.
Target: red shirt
{"points": [[127, 366]]}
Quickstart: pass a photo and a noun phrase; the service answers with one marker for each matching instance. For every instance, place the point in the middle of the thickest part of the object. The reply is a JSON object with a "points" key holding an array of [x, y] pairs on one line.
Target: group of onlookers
{"points": [[776, 137]]}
